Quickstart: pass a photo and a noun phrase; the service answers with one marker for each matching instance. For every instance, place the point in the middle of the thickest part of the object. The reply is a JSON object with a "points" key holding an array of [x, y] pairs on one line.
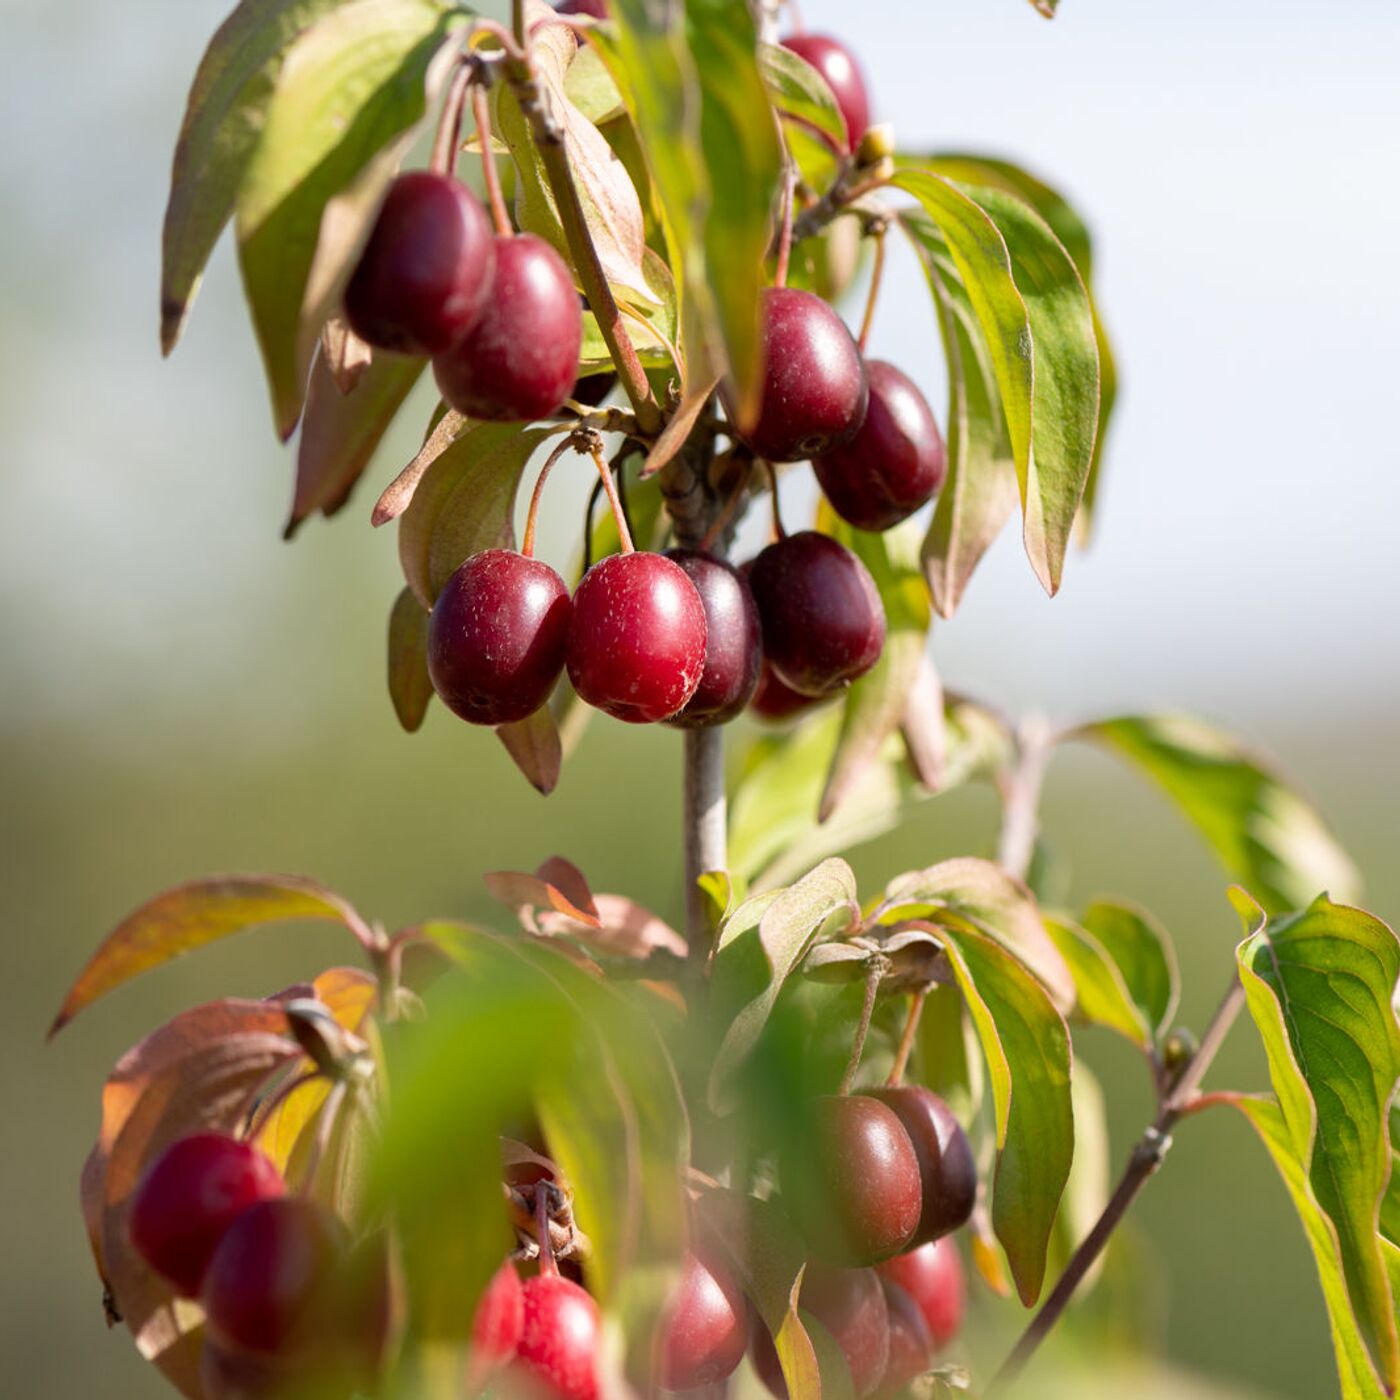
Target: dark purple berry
{"points": [[946, 1165], [733, 647]]}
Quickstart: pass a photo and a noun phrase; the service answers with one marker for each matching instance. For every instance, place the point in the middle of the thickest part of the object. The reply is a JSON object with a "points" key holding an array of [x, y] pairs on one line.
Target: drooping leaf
{"points": [[1086, 1191], [1264, 834], [346, 355], [948, 1059], [1101, 994], [797, 90], [348, 100], [678, 428], [464, 503], [557, 885], [1142, 953], [1321, 987], [534, 747], [340, 431], [1027, 1048], [223, 123], [190, 916], [410, 686]]}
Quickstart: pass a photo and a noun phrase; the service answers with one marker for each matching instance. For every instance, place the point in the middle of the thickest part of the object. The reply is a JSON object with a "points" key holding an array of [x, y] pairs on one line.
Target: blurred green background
{"points": [[183, 693]]}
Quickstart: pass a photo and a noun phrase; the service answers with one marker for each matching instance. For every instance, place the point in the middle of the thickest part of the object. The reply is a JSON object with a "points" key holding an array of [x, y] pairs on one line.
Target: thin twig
{"points": [[772, 473], [624, 529], [481, 110], [527, 545], [906, 1041], [449, 128], [877, 273], [780, 273], [879, 965]]}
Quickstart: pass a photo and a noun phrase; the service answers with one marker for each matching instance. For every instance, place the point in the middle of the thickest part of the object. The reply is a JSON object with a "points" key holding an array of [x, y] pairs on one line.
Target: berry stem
{"points": [[1147, 1157], [549, 1266], [906, 1041], [874, 975], [877, 275], [779, 532], [780, 273], [481, 111], [624, 530], [527, 546], [448, 136]]}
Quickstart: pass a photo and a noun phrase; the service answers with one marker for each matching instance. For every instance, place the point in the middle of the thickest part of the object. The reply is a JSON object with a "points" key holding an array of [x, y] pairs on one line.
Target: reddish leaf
{"points": [[399, 492], [345, 354], [555, 885], [925, 729], [624, 929], [189, 916], [674, 434], [564, 876], [534, 747], [410, 687]]}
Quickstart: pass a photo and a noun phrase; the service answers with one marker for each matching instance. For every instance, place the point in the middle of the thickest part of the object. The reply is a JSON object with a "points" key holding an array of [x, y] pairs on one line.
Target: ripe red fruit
{"points": [[426, 273], [835, 62], [497, 1327], [933, 1277], [498, 636], [637, 640], [520, 360], [597, 8], [814, 390], [733, 647], [189, 1196], [850, 1304], [559, 1339], [896, 461], [911, 1343], [773, 700], [823, 622], [946, 1167], [705, 1327], [853, 1188], [272, 1286]]}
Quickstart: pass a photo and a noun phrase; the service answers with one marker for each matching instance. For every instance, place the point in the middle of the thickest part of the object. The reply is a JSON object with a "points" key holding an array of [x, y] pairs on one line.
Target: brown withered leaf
{"points": [[410, 686]]}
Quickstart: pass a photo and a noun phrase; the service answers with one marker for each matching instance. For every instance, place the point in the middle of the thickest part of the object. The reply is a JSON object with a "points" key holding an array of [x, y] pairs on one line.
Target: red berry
{"points": [[894, 464], [426, 273], [850, 1304], [835, 62], [498, 636], [637, 640], [933, 1277], [947, 1170], [853, 1188], [189, 1196], [597, 8], [272, 1285], [705, 1327], [559, 1339], [520, 360], [814, 391], [733, 646], [911, 1343], [497, 1327], [823, 622], [230, 1375], [773, 700]]}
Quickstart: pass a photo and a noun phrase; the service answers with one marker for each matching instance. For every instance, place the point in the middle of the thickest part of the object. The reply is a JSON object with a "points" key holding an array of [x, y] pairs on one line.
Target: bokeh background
{"points": [[183, 693]]}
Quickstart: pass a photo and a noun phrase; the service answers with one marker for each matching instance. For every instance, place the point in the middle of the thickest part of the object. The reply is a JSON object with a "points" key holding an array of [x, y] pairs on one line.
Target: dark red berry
{"points": [[814, 390], [823, 622], [835, 62], [520, 360], [775, 701], [933, 1277], [559, 1339], [498, 636], [497, 1327], [894, 464], [637, 640], [234, 1375], [597, 8], [911, 1343], [853, 1187], [733, 647], [272, 1287], [189, 1196], [426, 273], [704, 1329], [850, 1304], [946, 1167]]}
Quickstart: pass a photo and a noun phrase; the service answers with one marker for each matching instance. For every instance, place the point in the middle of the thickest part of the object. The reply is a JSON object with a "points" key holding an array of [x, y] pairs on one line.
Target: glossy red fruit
{"points": [[947, 1170], [850, 1304], [189, 1196], [272, 1287], [853, 1187], [835, 62], [705, 1328], [637, 640], [911, 1343], [894, 464], [597, 8], [559, 1339], [933, 1277], [775, 701], [823, 622], [426, 273], [520, 360], [498, 636], [733, 645], [814, 391], [497, 1327]]}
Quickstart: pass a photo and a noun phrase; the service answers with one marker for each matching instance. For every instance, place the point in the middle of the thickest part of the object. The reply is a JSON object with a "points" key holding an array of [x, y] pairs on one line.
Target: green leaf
{"points": [[980, 491], [1264, 835], [410, 687], [1086, 1191], [876, 703], [760, 944], [1141, 951], [348, 101], [464, 503], [192, 915], [1320, 986], [340, 431], [797, 90], [221, 129], [1358, 1379], [1027, 1048], [948, 1059], [1101, 995]]}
